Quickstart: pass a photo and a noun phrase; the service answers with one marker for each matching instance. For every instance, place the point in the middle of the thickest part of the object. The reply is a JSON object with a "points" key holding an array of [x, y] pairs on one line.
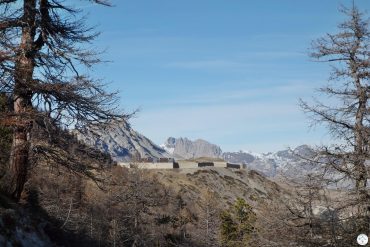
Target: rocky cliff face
{"points": [[122, 142], [183, 148], [238, 157]]}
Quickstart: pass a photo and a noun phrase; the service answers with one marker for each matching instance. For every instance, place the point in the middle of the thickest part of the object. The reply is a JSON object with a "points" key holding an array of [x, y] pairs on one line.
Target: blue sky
{"points": [[227, 71]]}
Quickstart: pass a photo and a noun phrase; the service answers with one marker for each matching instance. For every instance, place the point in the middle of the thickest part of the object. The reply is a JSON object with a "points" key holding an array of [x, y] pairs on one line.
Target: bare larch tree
{"points": [[347, 113], [43, 48]]}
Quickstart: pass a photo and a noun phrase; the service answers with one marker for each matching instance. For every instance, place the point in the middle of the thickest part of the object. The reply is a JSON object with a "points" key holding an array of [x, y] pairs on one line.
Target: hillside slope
{"points": [[228, 184], [122, 142], [195, 186]]}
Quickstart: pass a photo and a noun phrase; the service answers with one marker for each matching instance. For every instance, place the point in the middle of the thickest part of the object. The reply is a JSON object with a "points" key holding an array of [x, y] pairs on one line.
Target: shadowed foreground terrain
{"points": [[131, 207]]}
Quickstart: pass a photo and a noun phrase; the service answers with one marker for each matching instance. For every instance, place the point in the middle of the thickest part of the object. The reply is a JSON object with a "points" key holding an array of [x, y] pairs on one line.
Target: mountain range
{"points": [[285, 162], [123, 143], [289, 162]]}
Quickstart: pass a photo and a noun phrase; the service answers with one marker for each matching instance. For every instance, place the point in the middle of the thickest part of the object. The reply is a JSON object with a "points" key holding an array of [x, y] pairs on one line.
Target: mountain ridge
{"points": [[187, 149], [122, 142], [271, 164]]}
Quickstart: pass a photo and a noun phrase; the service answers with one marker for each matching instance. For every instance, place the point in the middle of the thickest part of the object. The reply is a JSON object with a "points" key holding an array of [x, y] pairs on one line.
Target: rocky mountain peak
{"points": [[122, 142], [188, 149], [170, 142]]}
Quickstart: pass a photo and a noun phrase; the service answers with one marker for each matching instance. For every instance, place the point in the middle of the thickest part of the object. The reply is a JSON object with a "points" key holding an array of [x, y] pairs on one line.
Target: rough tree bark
{"points": [[23, 75]]}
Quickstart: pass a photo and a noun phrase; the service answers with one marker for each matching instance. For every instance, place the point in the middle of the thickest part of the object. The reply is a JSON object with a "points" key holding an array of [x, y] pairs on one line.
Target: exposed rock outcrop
{"points": [[187, 149], [122, 142]]}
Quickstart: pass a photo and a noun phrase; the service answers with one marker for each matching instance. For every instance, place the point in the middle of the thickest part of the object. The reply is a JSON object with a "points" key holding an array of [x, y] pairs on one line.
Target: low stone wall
{"points": [[124, 164], [179, 165], [221, 164], [187, 164], [147, 165]]}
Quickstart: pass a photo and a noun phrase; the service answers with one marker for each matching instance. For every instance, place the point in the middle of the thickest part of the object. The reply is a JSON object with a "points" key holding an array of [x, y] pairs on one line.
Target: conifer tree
{"points": [[347, 116], [43, 53], [237, 224]]}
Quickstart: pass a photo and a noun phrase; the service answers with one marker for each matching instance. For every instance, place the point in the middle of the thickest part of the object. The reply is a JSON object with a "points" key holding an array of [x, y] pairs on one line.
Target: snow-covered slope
{"points": [[286, 162]]}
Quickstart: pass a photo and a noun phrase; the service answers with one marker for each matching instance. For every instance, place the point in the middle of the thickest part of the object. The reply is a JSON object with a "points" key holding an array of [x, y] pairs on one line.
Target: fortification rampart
{"points": [[181, 164]]}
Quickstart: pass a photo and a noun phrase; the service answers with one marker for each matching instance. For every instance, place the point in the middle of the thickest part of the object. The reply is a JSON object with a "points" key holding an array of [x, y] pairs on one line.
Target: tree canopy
{"points": [[43, 54]]}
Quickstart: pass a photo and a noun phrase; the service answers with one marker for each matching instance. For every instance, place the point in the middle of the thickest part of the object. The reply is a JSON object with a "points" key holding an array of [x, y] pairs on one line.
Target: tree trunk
{"points": [[19, 164], [360, 137], [361, 140], [24, 67]]}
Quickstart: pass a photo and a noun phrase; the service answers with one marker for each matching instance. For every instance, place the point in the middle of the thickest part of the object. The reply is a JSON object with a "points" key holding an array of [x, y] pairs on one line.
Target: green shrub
{"points": [[237, 224]]}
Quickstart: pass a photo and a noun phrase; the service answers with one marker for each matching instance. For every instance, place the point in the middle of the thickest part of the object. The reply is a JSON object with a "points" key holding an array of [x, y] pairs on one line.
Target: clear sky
{"points": [[227, 71]]}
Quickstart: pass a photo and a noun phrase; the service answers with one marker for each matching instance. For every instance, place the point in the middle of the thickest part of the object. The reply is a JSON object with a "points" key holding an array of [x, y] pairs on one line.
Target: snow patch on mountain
{"points": [[288, 162]]}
